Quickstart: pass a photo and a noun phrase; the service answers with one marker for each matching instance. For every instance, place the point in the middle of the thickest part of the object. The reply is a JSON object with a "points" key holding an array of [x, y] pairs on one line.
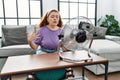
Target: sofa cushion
{"points": [[106, 48], [13, 35], [15, 50], [100, 32]]}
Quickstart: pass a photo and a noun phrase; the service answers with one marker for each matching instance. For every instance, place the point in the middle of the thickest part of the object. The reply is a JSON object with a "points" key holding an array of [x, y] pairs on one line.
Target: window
{"points": [[20, 12], [73, 8]]}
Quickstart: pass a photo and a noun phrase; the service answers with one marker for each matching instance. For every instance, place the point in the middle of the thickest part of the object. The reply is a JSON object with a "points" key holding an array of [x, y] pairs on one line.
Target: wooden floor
{"points": [[88, 74]]}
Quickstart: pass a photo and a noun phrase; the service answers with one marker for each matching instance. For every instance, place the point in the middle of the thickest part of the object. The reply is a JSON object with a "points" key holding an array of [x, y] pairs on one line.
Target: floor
{"points": [[88, 74]]}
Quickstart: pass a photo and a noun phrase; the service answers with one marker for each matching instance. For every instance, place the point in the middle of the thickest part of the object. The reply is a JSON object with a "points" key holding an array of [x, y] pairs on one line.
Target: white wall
{"points": [[116, 9], [104, 7], [108, 7]]}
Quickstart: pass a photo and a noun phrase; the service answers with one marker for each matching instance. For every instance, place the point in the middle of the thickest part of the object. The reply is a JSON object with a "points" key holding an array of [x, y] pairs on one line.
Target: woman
{"points": [[46, 41]]}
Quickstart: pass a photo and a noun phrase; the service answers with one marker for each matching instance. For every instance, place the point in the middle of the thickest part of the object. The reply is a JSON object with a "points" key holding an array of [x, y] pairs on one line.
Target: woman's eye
{"points": [[57, 17], [52, 16]]}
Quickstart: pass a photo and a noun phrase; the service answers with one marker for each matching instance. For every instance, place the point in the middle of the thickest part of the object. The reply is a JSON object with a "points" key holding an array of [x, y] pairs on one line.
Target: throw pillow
{"points": [[30, 28], [100, 32], [13, 35]]}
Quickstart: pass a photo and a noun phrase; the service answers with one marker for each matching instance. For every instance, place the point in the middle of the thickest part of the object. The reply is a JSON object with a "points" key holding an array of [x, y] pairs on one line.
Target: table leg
{"points": [[106, 71], [10, 77], [83, 73]]}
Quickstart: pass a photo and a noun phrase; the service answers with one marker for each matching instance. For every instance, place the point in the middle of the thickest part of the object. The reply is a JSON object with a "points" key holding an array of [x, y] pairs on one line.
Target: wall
{"points": [[116, 9], [104, 7], [108, 7]]}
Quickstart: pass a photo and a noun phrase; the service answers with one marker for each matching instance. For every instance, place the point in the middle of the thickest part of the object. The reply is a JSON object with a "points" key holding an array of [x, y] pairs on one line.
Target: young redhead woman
{"points": [[45, 40]]}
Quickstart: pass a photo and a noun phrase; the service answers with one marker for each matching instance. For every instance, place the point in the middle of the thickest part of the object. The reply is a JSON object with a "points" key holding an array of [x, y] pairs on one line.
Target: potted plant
{"points": [[111, 24]]}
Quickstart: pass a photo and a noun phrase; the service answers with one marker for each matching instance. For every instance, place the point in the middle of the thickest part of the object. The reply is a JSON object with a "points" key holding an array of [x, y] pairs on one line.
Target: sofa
{"points": [[108, 48], [14, 41]]}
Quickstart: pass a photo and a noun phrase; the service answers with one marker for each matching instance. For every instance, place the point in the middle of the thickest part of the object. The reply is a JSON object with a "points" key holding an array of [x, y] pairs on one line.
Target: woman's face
{"points": [[53, 18]]}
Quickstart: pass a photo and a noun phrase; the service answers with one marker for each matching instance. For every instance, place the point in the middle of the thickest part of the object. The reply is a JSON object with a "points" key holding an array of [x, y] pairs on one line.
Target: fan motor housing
{"points": [[81, 36]]}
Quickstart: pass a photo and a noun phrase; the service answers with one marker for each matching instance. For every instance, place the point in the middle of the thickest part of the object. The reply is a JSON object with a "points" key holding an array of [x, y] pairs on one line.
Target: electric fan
{"points": [[76, 37]]}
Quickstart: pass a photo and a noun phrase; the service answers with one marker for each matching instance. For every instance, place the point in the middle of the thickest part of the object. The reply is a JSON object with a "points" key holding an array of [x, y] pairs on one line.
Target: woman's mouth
{"points": [[54, 21]]}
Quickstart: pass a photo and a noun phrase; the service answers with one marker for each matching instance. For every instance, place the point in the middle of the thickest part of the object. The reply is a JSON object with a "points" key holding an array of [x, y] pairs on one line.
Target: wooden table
{"points": [[33, 63]]}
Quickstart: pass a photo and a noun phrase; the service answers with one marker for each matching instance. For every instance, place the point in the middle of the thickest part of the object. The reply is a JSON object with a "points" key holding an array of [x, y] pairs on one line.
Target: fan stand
{"points": [[90, 47], [63, 50]]}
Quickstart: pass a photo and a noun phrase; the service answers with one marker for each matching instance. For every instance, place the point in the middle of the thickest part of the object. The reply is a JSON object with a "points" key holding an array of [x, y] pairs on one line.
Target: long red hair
{"points": [[45, 22]]}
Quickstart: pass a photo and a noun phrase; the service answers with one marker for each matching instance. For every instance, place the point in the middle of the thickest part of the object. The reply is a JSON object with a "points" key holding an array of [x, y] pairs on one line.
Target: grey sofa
{"points": [[14, 41], [105, 46], [108, 48]]}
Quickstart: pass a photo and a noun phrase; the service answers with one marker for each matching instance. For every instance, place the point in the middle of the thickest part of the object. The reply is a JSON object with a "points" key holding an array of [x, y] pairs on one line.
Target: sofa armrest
{"points": [[113, 38]]}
